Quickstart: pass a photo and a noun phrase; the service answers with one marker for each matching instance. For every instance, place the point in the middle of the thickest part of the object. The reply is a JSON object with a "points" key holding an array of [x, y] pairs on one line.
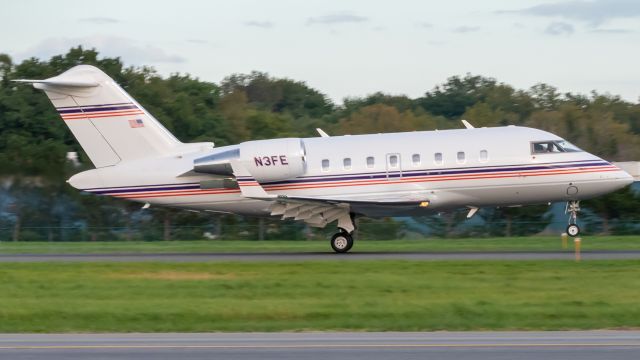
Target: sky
{"points": [[348, 48]]}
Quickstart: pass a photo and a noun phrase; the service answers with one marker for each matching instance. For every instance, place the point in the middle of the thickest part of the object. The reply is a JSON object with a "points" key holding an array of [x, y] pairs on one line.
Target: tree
{"points": [[614, 211], [381, 118], [516, 221], [452, 98], [279, 95]]}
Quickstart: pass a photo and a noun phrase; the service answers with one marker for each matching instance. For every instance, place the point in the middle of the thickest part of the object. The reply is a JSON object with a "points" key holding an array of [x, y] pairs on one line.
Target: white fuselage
{"points": [[449, 169]]}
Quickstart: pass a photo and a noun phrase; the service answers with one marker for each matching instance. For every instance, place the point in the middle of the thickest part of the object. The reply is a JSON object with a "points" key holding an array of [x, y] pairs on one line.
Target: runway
{"points": [[585, 345], [306, 256]]}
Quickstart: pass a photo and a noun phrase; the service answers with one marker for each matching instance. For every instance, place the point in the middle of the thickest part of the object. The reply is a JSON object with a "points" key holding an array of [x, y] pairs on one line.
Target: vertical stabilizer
{"points": [[108, 123]]}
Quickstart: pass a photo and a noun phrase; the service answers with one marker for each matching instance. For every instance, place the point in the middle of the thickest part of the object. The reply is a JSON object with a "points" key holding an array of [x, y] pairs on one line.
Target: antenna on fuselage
{"points": [[322, 133], [466, 124]]}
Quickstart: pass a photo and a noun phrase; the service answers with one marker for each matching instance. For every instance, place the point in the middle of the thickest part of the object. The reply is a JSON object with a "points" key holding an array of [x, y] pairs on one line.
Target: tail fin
{"points": [[108, 123]]}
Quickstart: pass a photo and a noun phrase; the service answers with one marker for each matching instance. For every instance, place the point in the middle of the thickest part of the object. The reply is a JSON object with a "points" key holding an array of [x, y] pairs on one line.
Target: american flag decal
{"points": [[137, 123]]}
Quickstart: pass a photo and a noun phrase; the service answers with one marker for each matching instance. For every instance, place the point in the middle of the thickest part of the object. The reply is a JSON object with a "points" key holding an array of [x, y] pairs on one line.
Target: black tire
{"points": [[573, 230], [341, 242]]}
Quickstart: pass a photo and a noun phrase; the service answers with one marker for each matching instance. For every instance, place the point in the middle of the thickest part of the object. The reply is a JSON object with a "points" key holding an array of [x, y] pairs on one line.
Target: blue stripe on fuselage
{"points": [[449, 171], [361, 176]]}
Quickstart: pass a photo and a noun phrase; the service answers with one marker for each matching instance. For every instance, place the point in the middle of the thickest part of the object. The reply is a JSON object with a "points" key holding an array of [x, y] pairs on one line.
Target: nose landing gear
{"points": [[572, 209]]}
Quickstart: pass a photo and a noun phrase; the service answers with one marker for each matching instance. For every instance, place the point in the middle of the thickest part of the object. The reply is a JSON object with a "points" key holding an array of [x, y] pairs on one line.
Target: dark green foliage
{"points": [[615, 213], [279, 95], [452, 98], [515, 221]]}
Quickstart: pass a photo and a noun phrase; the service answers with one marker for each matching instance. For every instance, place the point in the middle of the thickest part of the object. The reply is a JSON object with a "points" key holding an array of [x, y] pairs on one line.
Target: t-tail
{"points": [[108, 123]]}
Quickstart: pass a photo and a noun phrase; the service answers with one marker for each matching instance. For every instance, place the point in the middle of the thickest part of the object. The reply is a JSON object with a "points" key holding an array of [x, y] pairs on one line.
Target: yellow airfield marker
{"points": [[576, 246], [564, 237]]}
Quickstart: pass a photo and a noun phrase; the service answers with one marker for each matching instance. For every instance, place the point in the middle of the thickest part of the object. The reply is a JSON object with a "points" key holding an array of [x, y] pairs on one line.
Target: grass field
{"points": [[366, 296], [436, 245]]}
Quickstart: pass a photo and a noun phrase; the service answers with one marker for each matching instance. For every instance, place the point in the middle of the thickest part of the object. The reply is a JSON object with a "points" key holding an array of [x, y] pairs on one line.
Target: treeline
{"points": [[36, 203]]}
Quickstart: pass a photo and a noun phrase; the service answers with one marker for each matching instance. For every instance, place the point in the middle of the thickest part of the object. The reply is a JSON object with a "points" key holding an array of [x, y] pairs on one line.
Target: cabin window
{"points": [[393, 161], [437, 158], [415, 159], [460, 157], [325, 165], [346, 163], [484, 156], [370, 162]]}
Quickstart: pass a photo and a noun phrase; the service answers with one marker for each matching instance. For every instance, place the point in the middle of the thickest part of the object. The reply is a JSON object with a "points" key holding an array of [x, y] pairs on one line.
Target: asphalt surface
{"points": [[306, 256], [564, 345]]}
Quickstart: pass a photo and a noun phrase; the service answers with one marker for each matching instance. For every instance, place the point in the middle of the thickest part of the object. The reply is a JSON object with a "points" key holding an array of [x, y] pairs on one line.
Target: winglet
{"points": [[467, 124], [249, 187]]}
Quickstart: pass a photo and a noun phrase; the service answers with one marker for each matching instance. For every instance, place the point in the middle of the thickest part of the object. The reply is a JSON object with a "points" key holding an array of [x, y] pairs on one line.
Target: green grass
{"points": [[538, 243], [327, 295]]}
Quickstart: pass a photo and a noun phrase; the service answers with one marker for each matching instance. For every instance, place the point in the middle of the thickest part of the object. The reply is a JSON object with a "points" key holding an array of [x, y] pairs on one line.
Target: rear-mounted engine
{"points": [[266, 160]]}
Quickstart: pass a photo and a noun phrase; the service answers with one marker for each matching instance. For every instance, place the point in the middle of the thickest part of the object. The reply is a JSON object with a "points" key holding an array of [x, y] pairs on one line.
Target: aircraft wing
{"points": [[316, 211]]}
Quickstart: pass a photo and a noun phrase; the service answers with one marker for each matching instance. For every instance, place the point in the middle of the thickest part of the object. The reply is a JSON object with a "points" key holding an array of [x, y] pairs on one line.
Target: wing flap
{"points": [[315, 211]]}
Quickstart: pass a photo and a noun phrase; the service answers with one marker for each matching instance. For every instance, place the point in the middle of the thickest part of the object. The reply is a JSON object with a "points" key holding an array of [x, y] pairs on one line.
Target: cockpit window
{"points": [[553, 146], [567, 146]]}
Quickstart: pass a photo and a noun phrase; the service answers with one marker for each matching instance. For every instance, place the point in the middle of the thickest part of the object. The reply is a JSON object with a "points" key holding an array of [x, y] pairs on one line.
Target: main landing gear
{"points": [[342, 241], [572, 209]]}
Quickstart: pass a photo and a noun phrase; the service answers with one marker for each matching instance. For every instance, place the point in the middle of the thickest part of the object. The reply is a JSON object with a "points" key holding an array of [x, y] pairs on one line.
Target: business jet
{"points": [[323, 179]]}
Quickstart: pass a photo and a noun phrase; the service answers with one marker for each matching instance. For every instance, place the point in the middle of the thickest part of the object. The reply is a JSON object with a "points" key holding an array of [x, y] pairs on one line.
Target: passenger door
{"points": [[394, 170]]}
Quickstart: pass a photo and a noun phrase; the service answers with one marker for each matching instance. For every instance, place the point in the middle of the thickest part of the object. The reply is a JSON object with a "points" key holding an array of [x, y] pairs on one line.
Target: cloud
{"points": [[559, 28], [260, 24], [612, 31], [336, 18], [425, 25], [99, 20], [465, 29], [594, 12], [131, 51], [197, 41]]}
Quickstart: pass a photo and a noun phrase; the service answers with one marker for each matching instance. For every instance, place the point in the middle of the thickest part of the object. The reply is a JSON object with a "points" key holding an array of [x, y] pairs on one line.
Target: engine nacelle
{"points": [[272, 160]]}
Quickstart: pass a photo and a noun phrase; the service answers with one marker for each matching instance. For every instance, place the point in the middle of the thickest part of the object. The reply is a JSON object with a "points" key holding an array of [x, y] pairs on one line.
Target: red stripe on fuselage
{"points": [[431, 178], [496, 175]]}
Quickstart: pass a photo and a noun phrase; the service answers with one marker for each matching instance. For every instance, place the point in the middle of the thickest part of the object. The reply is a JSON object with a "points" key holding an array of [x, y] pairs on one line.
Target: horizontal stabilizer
{"points": [[59, 82]]}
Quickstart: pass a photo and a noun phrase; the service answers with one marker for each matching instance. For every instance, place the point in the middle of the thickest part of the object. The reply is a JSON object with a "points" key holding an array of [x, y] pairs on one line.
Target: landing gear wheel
{"points": [[341, 242], [573, 230], [572, 209]]}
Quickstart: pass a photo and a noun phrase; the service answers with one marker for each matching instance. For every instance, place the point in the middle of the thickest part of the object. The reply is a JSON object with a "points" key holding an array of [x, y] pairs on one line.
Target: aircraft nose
{"points": [[629, 172], [627, 179]]}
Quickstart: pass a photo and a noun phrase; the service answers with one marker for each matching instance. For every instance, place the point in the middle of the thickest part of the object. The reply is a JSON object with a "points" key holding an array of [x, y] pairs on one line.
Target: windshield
{"points": [[553, 146], [567, 146]]}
